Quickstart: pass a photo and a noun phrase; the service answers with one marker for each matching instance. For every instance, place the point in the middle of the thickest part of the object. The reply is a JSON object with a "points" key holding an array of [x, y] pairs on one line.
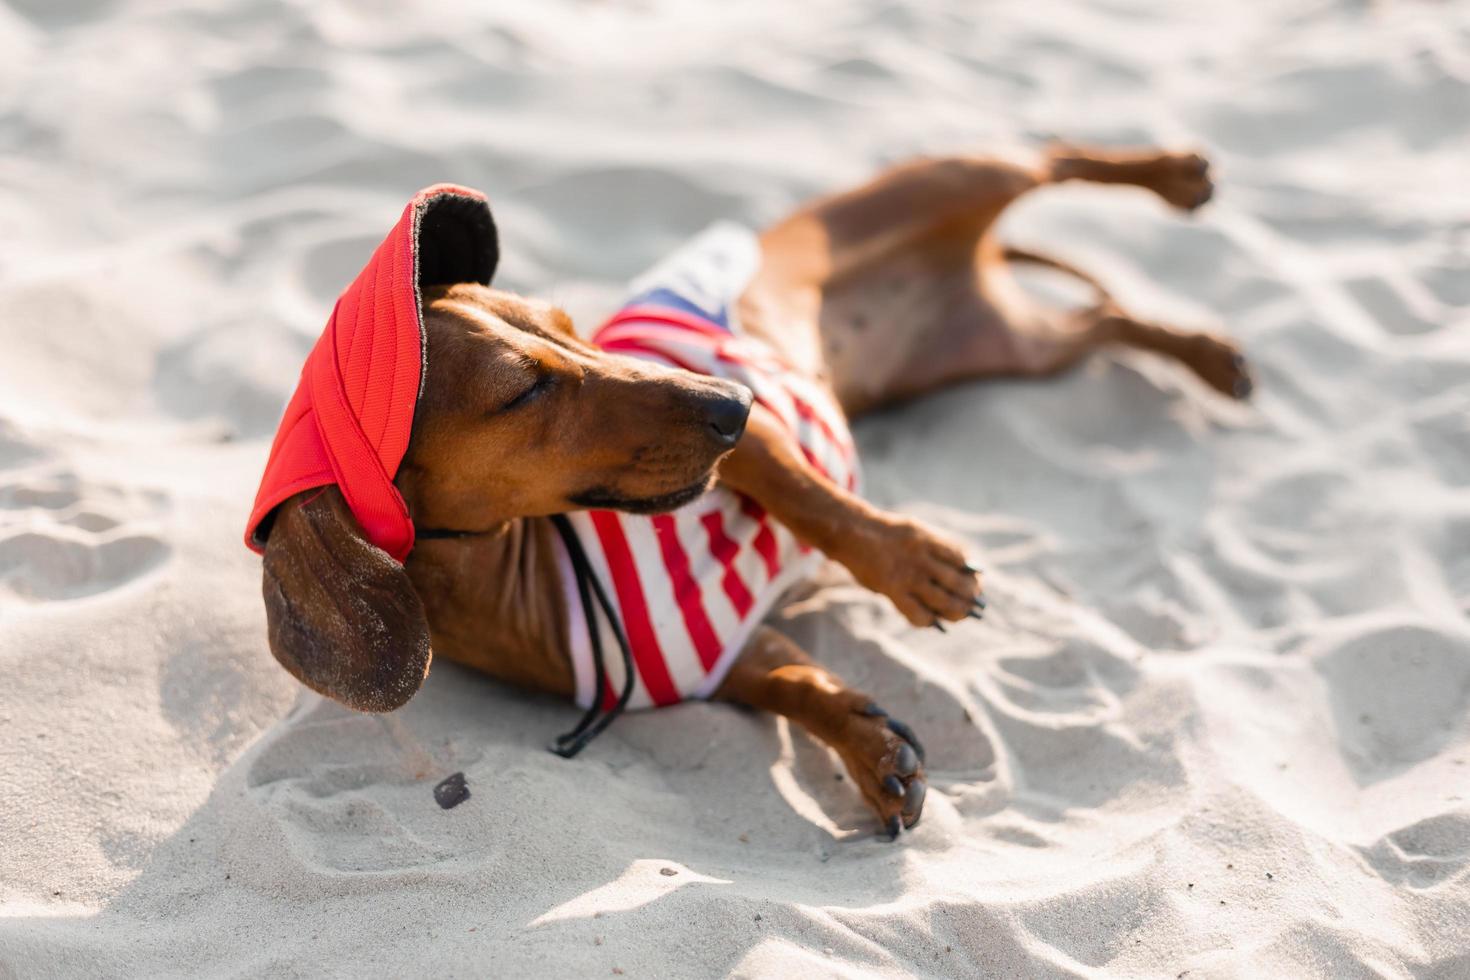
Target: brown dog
{"points": [[880, 294]]}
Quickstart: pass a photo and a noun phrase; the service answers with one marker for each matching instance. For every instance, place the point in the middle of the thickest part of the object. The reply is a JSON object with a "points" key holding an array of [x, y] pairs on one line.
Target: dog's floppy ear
{"points": [[344, 618]]}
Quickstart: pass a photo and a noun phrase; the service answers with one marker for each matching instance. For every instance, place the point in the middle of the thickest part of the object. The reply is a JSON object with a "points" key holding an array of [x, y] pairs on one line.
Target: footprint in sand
{"points": [[351, 792], [1423, 854], [1398, 695], [62, 538]]}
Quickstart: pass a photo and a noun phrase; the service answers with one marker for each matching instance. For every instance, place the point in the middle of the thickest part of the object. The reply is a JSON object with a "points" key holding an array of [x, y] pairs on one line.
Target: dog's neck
{"points": [[507, 581]]}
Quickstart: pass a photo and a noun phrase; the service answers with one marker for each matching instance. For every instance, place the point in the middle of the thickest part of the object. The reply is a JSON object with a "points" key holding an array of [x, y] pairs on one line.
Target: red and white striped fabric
{"points": [[691, 586]]}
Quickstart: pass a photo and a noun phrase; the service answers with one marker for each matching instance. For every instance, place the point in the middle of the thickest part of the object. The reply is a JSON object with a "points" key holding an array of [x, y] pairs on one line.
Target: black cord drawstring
{"points": [[592, 725], [593, 722], [599, 679]]}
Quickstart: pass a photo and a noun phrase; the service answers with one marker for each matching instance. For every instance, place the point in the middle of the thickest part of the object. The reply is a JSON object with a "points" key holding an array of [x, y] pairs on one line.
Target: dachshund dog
{"points": [[867, 298]]}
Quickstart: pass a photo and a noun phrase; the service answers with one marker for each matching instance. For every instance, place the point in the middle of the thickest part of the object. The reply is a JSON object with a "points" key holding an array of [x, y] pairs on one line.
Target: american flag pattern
{"points": [[690, 586]]}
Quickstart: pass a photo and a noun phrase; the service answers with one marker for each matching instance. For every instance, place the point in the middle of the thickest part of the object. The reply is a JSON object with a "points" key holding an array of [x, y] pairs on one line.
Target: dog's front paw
{"points": [[886, 760], [925, 573]]}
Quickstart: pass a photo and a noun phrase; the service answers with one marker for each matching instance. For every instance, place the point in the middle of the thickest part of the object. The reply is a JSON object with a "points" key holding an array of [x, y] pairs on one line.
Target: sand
{"points": [[1217, 724]]}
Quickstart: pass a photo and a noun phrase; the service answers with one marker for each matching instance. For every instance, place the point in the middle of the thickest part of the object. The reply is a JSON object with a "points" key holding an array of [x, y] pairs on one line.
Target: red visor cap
{"points": [[350, 418]]}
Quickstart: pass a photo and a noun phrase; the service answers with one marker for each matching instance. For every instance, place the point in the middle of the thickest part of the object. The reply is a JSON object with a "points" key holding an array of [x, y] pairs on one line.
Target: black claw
{"points": [[975, 614], [1243, 388], [940, 626], [1237, 361], [872, 710], [970, 568], [1202, 166], [893, 786], [913, 802], [895, 827], [907, 734], [907, 762], [980, 601]]}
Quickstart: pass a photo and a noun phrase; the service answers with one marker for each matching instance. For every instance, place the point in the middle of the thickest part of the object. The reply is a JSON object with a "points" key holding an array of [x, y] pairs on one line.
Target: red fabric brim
{"points": [[351, 416]]}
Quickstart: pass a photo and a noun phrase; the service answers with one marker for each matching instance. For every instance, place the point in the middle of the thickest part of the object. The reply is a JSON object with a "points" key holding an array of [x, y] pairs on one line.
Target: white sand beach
{"points": [[1216, 725]]}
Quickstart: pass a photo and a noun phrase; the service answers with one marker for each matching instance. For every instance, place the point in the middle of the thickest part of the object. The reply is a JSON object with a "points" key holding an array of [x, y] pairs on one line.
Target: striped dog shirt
{"points": [[690, 586]]}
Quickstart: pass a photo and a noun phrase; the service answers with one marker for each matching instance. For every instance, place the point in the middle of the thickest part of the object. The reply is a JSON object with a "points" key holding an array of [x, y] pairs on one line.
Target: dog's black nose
{"points": [[727, 416]]}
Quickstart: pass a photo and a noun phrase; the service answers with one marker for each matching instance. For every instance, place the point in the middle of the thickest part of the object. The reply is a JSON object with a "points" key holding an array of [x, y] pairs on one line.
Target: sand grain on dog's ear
{"points": [[1216, 722]]}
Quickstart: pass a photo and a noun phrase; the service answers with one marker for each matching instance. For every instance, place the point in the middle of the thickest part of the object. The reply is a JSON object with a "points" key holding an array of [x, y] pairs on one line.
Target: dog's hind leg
{"points": [[882, 755], [845, 272], [1057, 339], [1215, 360], [1181, 179], [934, 302]]}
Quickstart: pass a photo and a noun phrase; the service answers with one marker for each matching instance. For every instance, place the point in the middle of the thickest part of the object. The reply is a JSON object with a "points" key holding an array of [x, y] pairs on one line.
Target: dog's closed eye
{"points": [[537, 387], [535, 381]]}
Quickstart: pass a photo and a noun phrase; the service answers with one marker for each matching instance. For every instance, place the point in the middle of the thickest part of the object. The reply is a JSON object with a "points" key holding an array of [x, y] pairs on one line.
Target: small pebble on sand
{"points": [[453, 791]]}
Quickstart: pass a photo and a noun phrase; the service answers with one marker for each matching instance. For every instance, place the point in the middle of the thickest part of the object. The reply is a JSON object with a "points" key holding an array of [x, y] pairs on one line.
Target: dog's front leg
{"points": [[923, 571], [882, 755]]}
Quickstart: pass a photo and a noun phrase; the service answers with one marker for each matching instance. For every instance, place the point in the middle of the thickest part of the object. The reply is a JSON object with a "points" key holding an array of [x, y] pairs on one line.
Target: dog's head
{"points": [[519, 418], [516, 418]]}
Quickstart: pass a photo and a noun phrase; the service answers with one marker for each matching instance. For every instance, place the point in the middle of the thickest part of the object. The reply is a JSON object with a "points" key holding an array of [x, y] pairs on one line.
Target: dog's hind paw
{"points": [[1220, 364], [1182, 179]]}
